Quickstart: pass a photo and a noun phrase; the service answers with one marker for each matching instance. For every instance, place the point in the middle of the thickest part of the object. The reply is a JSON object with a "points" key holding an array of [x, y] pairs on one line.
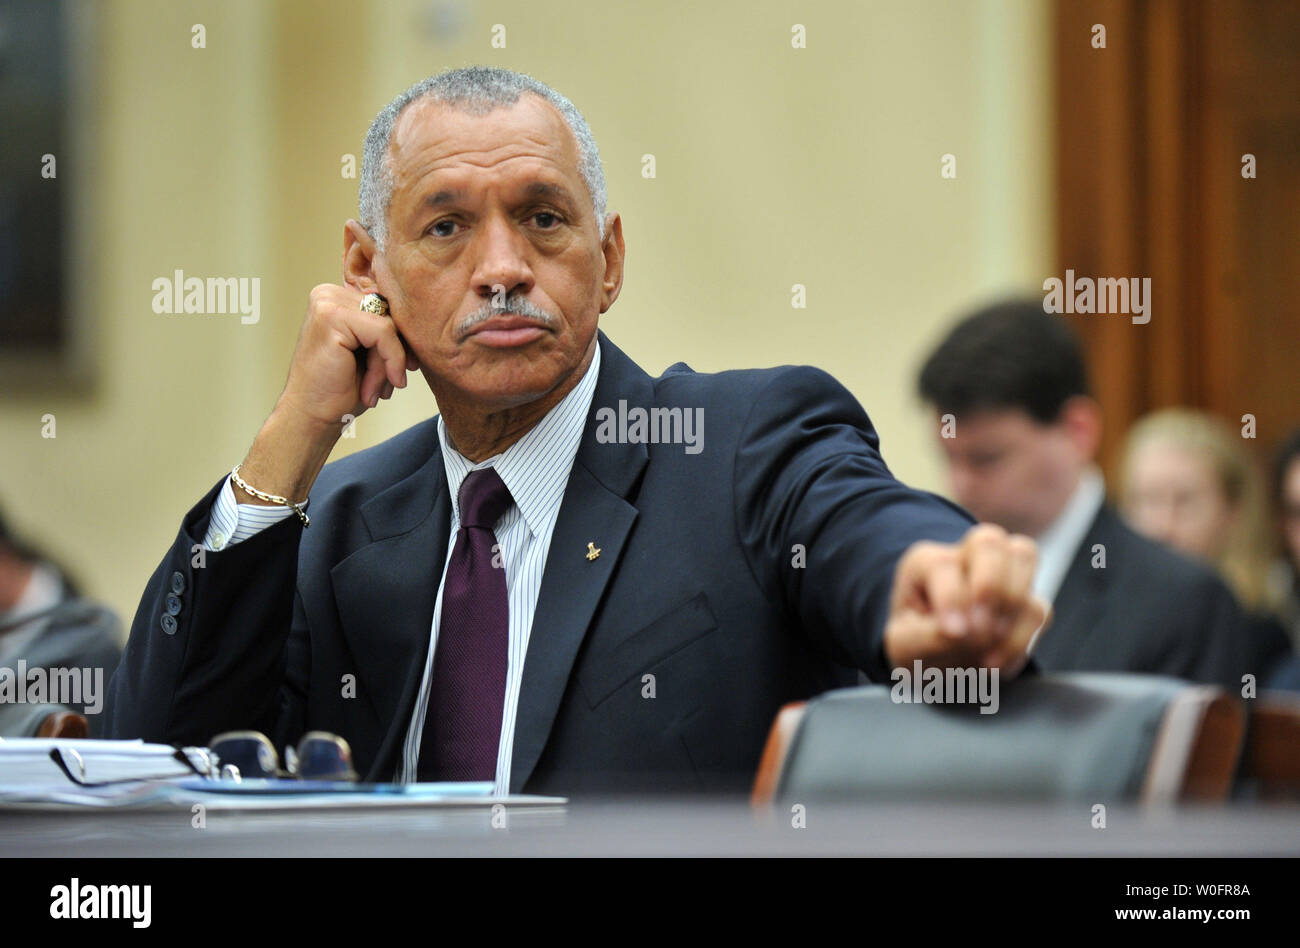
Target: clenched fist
{"points": [[330, 375], [346, 359], [968, 604]]}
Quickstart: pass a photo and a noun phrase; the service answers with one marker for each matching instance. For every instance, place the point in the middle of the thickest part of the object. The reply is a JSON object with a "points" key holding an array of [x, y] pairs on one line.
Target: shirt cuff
{"points": [[233, 522]]}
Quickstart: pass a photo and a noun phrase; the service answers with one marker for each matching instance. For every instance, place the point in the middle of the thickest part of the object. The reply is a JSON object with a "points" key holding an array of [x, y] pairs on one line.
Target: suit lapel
{"points": [[595, 510], [385, 593]]}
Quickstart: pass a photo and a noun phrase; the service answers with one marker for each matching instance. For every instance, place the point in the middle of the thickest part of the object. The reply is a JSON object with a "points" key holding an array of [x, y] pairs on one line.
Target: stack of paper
{"points": [[26, 761]]}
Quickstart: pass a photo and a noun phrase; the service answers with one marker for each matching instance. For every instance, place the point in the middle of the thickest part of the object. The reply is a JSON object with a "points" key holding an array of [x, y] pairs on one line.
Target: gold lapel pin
{"points": [[592, 551]]}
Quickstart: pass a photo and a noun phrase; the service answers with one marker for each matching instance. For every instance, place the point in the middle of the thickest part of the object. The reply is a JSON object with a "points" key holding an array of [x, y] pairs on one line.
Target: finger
{"points": [[378, 332], [387, 391], [372, 381], [1021, 561], [1011, 653], [412, 360], [914, 635], [985, 552], [931, 580], [909, 635]]}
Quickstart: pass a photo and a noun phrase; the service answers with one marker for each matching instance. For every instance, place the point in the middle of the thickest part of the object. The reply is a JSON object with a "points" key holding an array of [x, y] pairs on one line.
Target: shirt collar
{"points": [[1059, 542], [536, 467]]}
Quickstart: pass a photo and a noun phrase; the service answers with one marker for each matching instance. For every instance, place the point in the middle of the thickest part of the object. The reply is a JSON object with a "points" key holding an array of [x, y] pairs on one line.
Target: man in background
{"points": [[1019, 432], [46, 625]]}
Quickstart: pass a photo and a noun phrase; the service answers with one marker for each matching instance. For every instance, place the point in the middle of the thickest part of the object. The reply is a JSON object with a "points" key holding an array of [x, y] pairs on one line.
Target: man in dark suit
{"points": [[1019, 432], [578, 577]]}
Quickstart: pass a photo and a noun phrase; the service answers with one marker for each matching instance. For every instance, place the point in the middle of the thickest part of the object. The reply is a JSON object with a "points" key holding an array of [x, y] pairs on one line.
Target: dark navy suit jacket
{"points": [[750, 574]]}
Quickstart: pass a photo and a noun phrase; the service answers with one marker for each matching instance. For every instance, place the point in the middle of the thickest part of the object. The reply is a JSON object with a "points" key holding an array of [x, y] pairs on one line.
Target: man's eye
{"points": [[545, 219], [437, 228]]}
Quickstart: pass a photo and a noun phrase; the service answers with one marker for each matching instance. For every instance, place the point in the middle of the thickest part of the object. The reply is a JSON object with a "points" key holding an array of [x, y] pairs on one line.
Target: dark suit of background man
{"points": [[1026, 431], [659, 601]]}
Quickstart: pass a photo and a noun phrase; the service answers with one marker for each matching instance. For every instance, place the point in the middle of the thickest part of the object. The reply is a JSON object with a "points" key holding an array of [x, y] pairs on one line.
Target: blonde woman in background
{"points": [[1187, 481]]}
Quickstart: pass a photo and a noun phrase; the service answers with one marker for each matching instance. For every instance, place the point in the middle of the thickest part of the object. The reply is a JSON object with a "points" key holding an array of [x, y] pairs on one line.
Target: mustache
{"points": [[511, 306]]}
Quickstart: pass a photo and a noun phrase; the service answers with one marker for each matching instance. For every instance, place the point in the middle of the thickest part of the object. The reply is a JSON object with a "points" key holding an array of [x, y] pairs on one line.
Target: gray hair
{"points": [[477, 90]]}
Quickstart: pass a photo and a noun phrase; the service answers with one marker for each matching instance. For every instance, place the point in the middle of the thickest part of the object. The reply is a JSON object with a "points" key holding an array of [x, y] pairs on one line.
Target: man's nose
{"points": [[502, 260]]}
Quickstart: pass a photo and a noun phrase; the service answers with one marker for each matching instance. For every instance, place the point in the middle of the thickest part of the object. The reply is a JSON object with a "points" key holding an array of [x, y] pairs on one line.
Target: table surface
{"points": [[664, 828]]}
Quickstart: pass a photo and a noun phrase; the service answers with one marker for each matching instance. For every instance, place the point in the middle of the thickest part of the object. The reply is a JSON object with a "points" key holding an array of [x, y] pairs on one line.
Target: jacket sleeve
{"points": [[821, 518], [218, 642]]}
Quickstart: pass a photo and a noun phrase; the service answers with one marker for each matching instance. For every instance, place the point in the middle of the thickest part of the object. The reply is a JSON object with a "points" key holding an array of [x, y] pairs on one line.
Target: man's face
{"points": [[1006, 468], [491, 210]]}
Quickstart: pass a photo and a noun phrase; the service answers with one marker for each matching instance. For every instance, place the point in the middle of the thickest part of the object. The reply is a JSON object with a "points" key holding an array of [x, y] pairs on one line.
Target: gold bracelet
{"points": [[272, 498]]}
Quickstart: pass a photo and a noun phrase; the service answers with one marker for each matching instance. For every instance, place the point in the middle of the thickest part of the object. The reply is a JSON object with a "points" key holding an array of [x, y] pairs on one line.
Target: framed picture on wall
{"points": [[46, 162]]}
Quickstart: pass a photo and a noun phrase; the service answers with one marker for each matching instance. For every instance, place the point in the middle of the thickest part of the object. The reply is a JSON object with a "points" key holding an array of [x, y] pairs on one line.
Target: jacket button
{"points": [[169, 624], [178, 583], [174, 605]]}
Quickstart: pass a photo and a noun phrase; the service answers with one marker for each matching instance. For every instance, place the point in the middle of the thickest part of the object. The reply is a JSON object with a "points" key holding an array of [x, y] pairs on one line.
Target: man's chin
{"points": [[511, 390], [504, 378]]}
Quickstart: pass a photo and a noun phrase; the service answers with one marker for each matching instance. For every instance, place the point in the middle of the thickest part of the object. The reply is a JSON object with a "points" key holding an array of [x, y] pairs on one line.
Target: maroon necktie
{"points": [[462, 728]]}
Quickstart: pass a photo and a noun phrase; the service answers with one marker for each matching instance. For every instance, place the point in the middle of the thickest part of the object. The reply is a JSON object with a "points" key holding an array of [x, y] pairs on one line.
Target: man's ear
{"points": [[359, 250], [1081, 416], [613, 249]]}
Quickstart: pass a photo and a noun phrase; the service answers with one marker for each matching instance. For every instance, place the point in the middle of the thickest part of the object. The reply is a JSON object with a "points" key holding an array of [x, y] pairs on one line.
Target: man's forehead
{"points": [[989, 425], [430, 135]]}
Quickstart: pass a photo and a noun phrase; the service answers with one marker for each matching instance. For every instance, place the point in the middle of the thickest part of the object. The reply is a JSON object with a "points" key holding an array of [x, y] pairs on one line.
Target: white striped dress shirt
{"points": [[536, 471]]}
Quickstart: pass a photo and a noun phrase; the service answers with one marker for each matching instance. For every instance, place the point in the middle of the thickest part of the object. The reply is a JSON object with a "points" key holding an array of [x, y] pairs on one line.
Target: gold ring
{"points": [[374, 303]]}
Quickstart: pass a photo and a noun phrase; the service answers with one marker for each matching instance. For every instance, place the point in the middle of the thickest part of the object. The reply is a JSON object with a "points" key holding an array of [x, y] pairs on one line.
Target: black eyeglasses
{"points": [[236, 755], [319, 755]]}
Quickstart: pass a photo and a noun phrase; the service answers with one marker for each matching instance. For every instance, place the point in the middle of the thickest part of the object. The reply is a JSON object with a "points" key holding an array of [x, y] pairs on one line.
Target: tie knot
{"points": [[483, 498]]}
